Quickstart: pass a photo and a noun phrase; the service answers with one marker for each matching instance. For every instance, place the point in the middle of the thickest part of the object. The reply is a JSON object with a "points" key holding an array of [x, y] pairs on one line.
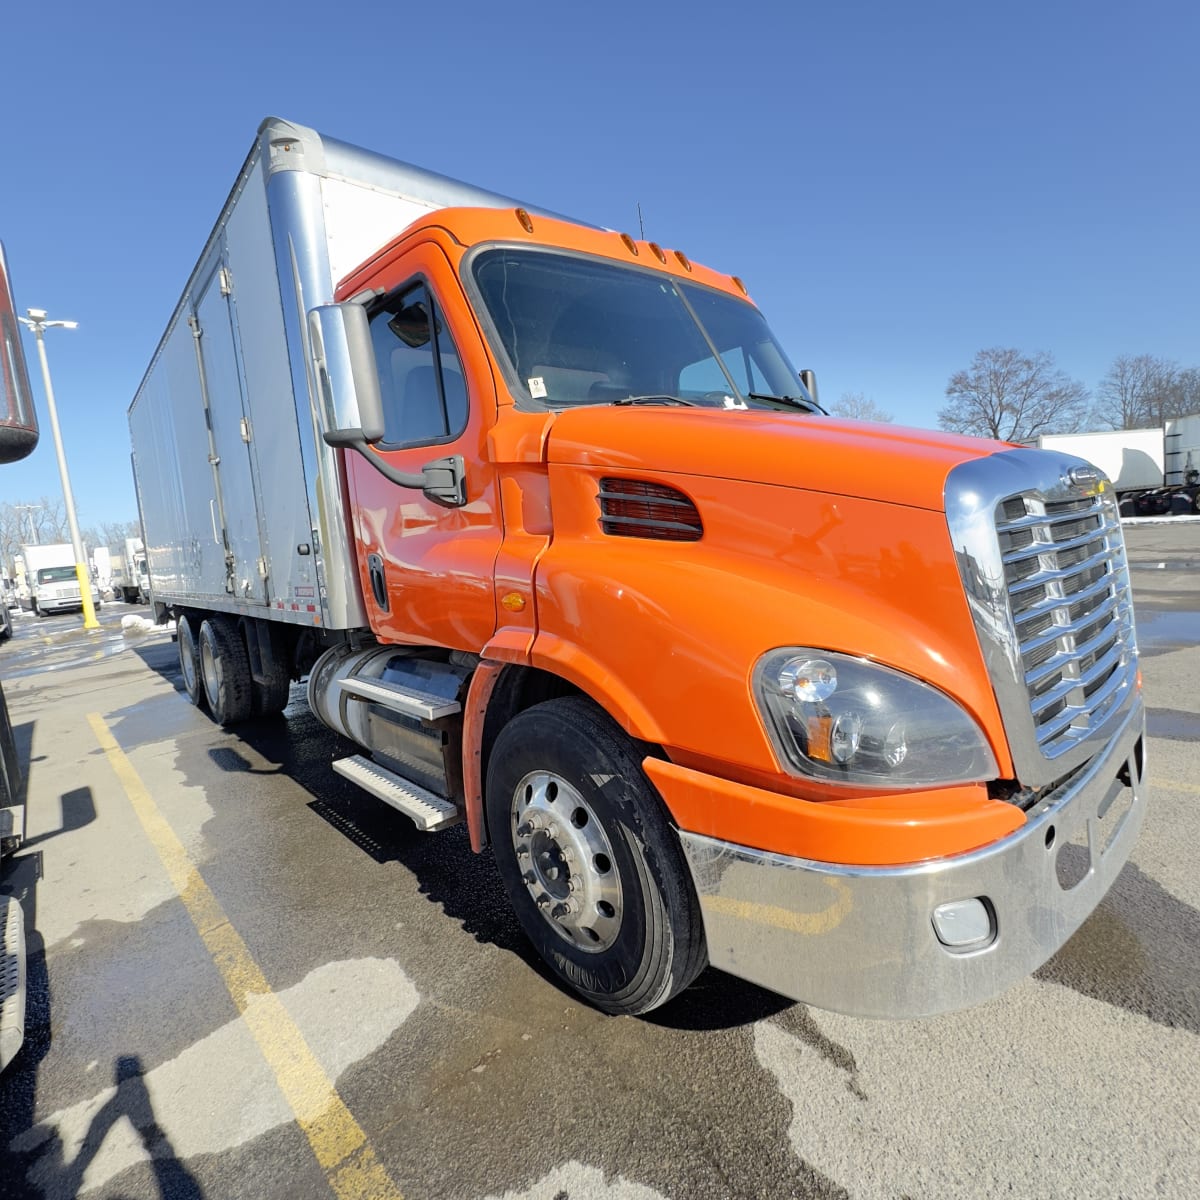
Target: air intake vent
{"points": [[635, 508]]}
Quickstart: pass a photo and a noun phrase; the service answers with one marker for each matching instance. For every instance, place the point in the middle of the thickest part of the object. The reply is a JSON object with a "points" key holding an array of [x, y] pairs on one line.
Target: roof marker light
{"points": [[684, 262], [630, 244], [741, 285], [526, 221], [658, 252]]}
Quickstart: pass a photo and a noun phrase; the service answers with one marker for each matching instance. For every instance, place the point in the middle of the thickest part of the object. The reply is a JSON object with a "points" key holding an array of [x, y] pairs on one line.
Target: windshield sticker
{"points": [[537, 387]]}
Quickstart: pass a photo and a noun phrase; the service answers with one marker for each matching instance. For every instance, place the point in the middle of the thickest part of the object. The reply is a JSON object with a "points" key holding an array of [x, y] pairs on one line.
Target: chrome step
{"points": [[423, 705], [427, 811], [12, 979]]}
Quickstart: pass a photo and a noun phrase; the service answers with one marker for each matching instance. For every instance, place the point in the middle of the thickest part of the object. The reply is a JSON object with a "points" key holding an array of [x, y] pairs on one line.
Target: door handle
{"points": [[378, 580]]}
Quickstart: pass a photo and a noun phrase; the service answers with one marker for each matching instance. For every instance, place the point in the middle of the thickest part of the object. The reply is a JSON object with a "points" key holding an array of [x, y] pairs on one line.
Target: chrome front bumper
{"points": [[60, 605], [861, 940]]}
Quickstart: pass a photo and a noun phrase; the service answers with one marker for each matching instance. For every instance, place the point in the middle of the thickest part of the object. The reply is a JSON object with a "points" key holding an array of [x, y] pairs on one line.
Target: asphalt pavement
{"points": [[249, 979]]}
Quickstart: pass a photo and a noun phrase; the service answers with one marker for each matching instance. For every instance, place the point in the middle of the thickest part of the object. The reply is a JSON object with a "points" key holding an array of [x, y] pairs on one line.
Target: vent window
{"points": [[637, 508]]}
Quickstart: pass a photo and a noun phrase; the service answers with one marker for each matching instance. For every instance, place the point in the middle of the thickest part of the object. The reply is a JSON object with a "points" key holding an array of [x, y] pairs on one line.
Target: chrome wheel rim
{"points": [[566, 861], [208, 671], [187, 660]]}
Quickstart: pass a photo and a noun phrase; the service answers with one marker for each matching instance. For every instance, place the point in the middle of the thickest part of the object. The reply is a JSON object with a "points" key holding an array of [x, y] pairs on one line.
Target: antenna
{"points": [[641, 224]]}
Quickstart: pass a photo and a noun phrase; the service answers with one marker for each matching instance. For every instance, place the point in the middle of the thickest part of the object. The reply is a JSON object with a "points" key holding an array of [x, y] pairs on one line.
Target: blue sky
{"points": [[899, 185]]}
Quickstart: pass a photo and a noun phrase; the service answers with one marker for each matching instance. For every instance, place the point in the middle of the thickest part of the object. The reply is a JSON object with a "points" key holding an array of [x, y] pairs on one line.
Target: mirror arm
{"points": [[444, 480]]}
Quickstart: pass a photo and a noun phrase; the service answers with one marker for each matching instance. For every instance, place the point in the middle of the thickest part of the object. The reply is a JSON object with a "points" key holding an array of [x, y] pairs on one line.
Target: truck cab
{"points": [[840, 652]]}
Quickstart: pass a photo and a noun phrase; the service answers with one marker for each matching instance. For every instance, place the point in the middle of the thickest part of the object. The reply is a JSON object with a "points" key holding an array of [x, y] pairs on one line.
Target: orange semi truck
{"points": [[564, 543]]}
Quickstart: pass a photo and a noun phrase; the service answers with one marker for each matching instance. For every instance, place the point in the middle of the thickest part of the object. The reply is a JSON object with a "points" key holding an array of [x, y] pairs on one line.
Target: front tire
{"points": [[591, 864], [225, 671]]}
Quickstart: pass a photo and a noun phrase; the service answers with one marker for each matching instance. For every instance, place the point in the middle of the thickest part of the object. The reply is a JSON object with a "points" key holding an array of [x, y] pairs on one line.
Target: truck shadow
{"points": [[466, 885], [1137, 951]]}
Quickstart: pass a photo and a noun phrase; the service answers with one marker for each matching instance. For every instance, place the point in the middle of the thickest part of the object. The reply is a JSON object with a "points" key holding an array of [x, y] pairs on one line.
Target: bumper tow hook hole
{"points": [[1050, 837]]}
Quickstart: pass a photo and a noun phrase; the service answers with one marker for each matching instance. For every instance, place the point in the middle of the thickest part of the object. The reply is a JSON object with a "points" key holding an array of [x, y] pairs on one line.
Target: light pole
{"points": [[36, 320], [30, 509]]}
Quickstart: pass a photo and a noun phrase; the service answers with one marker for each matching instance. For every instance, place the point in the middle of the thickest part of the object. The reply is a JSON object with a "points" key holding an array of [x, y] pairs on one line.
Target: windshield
{"points": [[57, 575], [573, 330]]}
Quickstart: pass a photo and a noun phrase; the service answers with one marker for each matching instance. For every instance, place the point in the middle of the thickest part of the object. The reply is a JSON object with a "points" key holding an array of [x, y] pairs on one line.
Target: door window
{"points": [[420, 375]]}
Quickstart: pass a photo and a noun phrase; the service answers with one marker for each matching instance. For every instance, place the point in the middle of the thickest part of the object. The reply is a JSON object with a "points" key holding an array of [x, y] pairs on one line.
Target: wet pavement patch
{"points": [[1170, 723], [1159, 630]]}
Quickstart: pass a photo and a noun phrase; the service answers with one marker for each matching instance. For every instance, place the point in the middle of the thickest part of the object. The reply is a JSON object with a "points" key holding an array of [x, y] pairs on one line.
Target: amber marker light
{"points": [[684, 261], [513, 602], [741, 285], [658, 252], [525, 219], [630, 244]]}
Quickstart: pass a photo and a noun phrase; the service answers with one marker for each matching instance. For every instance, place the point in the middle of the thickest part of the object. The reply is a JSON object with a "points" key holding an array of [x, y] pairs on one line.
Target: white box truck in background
{"points": [[1153, 471], [130, 579], [53, 582]]}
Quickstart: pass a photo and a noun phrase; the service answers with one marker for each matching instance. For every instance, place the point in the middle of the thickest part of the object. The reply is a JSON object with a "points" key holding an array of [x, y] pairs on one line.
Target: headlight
{"points": [[847, 720]]}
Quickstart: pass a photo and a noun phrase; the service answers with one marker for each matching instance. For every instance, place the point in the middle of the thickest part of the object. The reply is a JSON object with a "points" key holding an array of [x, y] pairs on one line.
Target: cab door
{"points": [[426, 567]]}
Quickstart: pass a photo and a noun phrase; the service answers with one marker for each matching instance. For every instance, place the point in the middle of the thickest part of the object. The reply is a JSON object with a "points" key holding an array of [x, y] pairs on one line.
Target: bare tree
{"points": [[1190, 389], [858, 407], [29, 522], [1014, 397], [113, 533], [1137, 391]]}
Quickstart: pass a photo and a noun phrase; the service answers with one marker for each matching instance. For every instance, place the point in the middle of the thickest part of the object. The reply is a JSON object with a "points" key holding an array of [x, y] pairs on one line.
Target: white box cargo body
{"points": [[243, 504], [1182, 441]]}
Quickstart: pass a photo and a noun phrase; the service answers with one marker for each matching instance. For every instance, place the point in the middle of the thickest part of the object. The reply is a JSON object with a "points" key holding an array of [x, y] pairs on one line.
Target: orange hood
{"points": [[820, 454]]}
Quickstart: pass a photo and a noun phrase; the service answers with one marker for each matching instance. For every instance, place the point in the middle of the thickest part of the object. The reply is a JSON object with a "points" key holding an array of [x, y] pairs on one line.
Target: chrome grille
{"points": [[1069, 600]]}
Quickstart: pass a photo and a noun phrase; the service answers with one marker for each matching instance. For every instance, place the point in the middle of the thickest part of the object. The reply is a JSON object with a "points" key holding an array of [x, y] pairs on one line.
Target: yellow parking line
{"points": [[338, 1141]]}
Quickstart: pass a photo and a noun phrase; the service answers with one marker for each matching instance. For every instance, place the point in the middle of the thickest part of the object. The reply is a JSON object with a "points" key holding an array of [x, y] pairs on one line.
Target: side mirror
{"points": [[343, 363], [809, 379]]}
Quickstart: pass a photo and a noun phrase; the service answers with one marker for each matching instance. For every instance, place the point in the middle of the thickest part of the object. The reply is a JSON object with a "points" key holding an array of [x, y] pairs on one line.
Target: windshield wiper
{"points": [[792, 401], [655, 400]]}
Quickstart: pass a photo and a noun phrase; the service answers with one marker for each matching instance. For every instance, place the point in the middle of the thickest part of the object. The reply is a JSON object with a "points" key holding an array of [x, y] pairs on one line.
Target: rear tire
{"points": [[225, 671], [189, 661], [591, 864]]}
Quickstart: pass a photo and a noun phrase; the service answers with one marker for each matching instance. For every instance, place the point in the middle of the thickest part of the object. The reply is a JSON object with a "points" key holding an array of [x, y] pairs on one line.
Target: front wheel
{"points": [[590, 862]]}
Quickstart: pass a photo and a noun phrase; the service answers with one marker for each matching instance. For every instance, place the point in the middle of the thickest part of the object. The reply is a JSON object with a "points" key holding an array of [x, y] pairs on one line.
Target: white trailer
{"points": [[1153, 471], [1182, 457], [130, 576], [1131, 458]]}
